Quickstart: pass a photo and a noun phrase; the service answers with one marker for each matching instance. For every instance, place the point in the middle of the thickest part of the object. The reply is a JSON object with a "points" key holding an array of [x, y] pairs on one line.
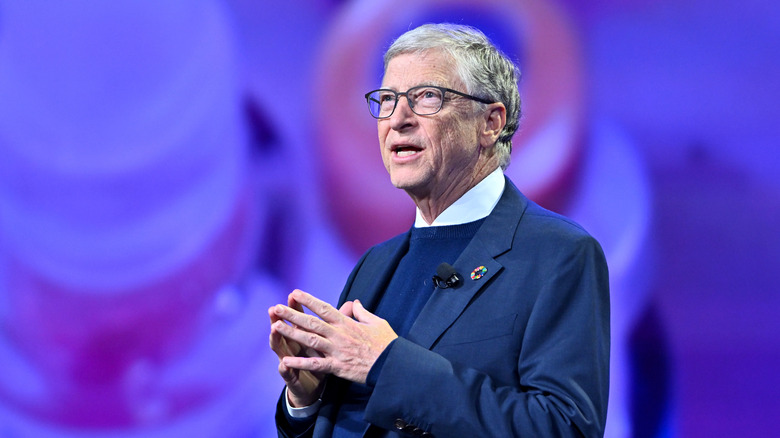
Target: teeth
{"points": [[406, 153]]}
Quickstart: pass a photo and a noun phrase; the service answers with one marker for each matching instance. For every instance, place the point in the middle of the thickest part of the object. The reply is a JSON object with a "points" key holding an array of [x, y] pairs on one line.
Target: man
{"points": [[513, 338]]}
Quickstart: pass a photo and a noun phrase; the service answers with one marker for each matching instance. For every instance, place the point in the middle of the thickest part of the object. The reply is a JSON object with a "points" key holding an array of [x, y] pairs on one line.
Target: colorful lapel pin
{"points": [[478, 273]]}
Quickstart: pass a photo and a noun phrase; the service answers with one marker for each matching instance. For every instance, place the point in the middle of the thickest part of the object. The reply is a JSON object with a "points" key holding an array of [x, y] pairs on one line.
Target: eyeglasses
{"points": [[424, 100]]}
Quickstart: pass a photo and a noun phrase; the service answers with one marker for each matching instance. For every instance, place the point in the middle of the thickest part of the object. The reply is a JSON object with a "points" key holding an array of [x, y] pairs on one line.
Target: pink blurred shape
{"points": [[127, 221]]}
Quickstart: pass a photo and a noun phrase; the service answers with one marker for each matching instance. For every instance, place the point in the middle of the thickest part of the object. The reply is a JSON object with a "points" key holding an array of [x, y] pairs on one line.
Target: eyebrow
{"points": [[429, 84]]}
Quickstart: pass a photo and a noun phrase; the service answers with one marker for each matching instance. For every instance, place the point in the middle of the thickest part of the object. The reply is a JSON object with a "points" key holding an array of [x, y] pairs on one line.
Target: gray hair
{"points": [[486, 72]]}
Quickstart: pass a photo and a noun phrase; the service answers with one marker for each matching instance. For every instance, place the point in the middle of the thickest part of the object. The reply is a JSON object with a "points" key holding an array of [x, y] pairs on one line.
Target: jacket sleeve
{"points": [[289, 427], [562, 366]]}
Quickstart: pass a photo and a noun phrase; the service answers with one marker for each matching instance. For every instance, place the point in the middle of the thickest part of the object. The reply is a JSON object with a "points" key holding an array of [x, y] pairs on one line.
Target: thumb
{"points": [[361, 314]]}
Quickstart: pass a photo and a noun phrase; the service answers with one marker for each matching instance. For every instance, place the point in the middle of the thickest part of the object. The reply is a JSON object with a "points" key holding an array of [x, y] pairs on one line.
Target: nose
{"points": [[403, 117]]}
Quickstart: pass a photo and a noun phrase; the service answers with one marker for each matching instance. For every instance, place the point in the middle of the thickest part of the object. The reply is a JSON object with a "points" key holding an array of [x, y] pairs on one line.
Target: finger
{"points": [[275, 315], [304, 338], [313, 364], [322, 309], [302, 321], [309, 352], [289, 375], [363, 315], [285, 372], [346, 309], [272, 314], [275, 339], [279, 345], [292, 303]]}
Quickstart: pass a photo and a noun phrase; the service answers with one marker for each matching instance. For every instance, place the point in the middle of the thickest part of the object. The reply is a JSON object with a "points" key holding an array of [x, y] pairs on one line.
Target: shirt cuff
{"points": [[304, 412]]}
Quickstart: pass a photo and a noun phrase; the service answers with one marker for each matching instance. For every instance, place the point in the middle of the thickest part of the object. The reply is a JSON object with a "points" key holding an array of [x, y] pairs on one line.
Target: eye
{"points": [[386, 97], [427, 94]]}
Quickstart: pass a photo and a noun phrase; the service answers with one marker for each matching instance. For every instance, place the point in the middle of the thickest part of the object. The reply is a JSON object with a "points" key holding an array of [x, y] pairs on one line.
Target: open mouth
{"points": [[406, 150]]}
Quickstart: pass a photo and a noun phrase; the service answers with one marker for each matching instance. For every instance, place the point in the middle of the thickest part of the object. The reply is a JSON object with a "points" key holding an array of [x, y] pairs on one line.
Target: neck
{"points": [[432, 204]]}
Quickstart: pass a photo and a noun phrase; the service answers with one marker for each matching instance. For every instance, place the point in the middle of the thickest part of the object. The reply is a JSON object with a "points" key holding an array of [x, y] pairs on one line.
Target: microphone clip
{"points": [[447, 277]]}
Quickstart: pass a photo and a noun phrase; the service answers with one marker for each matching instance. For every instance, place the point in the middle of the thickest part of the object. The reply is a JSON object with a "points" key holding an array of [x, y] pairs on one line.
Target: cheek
{"points": [[452, 139], [464, 135], [433, 135]]}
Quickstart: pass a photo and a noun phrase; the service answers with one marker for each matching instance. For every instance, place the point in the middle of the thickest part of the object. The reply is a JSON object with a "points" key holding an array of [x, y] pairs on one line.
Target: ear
{"points": [[495, 120]]}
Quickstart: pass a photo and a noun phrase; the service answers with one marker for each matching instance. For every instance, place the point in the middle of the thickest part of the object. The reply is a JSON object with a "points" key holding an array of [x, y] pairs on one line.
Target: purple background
{"points": [[169, 172]]}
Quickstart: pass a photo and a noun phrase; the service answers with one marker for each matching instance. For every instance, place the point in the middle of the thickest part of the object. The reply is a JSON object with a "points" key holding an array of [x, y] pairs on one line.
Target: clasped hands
{"points": [[344, 342]]}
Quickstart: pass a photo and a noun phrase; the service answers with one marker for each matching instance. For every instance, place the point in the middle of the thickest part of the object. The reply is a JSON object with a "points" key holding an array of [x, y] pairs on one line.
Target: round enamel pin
{"points": [[478, 273]]}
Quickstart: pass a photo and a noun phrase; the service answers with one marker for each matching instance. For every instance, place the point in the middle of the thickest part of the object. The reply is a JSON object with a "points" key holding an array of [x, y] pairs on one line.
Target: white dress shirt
{"points": [[475, 204]]}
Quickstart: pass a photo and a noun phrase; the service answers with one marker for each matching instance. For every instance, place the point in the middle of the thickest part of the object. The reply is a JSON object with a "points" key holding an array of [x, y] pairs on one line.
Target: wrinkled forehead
{"points": [[421, 67]]}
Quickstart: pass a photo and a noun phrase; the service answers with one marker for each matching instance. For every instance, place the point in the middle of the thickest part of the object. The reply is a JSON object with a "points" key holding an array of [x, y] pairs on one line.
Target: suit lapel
{"points": [[376, 271], [493, 239]]}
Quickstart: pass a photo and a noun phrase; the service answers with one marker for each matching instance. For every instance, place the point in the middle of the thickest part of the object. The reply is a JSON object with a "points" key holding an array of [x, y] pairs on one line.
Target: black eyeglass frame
{"points": [[444, 91]]}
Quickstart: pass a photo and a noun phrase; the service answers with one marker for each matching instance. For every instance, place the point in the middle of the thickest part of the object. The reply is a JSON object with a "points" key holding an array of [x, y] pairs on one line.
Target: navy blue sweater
{"points": [[410, 288]]}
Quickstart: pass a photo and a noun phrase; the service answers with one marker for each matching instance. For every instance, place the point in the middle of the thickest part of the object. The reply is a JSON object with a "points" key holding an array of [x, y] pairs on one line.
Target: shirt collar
{"points": [[475, 204]]}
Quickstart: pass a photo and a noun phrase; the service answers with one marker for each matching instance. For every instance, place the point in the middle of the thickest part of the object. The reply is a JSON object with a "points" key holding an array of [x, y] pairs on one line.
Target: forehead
{"points": [[431, 67]]}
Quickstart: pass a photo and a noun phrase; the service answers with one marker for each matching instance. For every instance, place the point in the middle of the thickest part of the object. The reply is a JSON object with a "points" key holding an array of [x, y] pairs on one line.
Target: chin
{"points": [[404, 182], [403, 185]]}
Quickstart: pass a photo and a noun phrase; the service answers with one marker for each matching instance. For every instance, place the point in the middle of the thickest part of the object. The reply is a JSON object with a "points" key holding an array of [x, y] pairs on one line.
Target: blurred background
{"points": [[169, 170]]}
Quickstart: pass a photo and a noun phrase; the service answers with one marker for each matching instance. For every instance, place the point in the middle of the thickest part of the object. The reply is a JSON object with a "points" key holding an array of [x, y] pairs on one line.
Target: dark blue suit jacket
{"points": [[521, 351]]}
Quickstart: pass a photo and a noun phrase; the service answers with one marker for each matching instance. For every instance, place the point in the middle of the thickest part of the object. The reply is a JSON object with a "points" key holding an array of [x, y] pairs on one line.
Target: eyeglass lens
{"points": [[422, 100]]}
